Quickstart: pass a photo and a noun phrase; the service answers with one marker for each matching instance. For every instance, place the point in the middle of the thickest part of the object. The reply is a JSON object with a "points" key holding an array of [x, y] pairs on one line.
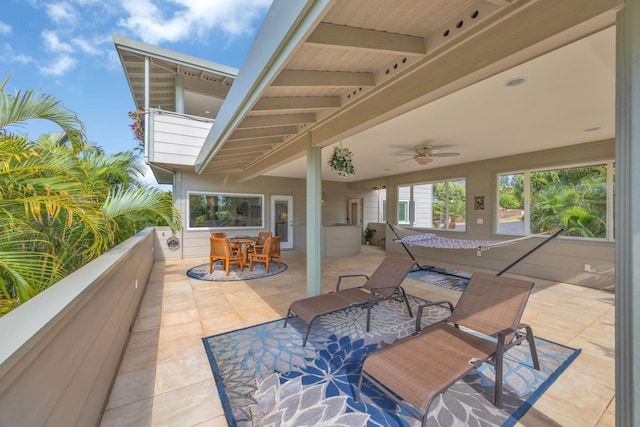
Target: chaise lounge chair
{"points": [[383, 284], [415, 370]]}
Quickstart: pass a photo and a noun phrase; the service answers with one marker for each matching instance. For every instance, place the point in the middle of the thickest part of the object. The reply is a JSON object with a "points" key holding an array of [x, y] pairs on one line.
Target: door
{"points": [[282, 220], [354, 212]]}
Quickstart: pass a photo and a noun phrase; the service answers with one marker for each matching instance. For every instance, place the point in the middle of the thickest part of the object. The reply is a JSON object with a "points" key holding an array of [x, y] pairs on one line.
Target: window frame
{"points": [[609, 209], [407, 216], [412, 203], [190, 193]]}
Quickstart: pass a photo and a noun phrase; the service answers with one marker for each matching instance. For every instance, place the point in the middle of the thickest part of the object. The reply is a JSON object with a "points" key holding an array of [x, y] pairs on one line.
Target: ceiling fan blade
{"points": [[444, 154], [404, 160]]}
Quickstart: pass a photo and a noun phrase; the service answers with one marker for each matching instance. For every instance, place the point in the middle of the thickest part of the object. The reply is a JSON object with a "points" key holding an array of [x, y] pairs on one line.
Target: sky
{"points": [[65, 49]]}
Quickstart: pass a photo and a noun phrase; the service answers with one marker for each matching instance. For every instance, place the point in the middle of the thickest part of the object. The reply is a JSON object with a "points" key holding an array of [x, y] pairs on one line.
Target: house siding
{"points": [[177, 139]]}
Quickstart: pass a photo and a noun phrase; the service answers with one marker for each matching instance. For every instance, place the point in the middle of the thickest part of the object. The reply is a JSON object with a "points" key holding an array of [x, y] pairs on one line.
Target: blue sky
{"points": [[65, 49]]}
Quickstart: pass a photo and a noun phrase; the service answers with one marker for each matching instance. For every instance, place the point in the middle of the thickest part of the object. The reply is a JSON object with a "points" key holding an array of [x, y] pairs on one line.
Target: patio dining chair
{"points": [[263, 256], [221, 249], [484, 324], [383, 284]]}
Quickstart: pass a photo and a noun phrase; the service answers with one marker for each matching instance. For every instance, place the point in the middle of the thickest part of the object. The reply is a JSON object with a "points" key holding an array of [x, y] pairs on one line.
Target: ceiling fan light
{"points": [[423, 160]]}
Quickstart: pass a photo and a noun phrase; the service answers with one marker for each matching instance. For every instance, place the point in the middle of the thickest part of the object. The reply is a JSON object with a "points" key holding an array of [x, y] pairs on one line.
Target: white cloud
{"points": [[60, 66], [53, 43], [4, 28], [8, 55], [232, 17], [61, 13], [87, 46]]}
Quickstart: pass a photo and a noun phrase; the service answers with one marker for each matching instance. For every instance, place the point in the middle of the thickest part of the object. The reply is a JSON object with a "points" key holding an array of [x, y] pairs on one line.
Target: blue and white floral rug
{"points": [[201, 272], [266, 378], [444, 277]]}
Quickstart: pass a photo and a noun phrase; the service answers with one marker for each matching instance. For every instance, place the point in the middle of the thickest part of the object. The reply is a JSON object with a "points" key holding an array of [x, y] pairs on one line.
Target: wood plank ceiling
{"points": [[358, 46]]}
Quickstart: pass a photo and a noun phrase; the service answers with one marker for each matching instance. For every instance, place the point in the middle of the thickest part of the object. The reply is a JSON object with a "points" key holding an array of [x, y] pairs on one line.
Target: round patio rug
{"points": [[201, 272]]}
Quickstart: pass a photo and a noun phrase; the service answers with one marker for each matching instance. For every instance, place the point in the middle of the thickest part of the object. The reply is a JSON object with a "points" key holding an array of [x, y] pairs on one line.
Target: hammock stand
{"points": [[480, 248]]}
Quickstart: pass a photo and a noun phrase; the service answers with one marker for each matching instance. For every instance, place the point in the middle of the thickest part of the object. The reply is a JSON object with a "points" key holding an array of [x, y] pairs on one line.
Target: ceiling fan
{"points": [[424, 154]]}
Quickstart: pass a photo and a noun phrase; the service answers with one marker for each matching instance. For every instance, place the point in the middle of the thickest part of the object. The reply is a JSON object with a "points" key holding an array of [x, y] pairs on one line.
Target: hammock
{"points": [[431, 240]]}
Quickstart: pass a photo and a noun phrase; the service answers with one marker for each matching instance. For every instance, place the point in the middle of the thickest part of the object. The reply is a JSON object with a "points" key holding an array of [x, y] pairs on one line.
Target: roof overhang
{"points": [[322, 70], [165, 67]]}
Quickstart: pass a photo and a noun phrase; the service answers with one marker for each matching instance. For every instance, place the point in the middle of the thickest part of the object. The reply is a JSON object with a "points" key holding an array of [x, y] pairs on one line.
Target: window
{"points": [[403, 212], [576, 198], [439, 205], [217, 210]]}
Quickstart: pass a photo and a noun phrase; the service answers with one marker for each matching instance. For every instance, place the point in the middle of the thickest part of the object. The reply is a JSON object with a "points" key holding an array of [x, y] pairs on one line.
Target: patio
{"points": [[165, 377]]}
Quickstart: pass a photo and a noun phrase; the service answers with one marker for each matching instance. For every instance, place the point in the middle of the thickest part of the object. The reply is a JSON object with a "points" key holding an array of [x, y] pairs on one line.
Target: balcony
{"points": [[175, 139], [69, 358]]}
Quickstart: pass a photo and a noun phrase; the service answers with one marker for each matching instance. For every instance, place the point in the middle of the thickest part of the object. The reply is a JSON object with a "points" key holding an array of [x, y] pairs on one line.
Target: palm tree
{"points": [[63, 201], [574, 199]]}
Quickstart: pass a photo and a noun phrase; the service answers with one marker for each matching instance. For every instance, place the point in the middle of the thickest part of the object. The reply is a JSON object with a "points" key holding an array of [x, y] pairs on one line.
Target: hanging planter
{"points": [[340, 162]]}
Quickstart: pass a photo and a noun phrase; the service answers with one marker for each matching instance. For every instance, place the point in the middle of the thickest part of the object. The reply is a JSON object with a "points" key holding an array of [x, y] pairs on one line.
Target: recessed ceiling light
{"points": [[593, 129], [517, 81], [207, 112]]}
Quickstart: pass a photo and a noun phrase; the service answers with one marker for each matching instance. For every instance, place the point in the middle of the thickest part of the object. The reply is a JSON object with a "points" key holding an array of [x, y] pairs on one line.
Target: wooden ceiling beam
{"points": [[263, 132], [344, 37], [302, 78], [277, 120], [297, 103]]}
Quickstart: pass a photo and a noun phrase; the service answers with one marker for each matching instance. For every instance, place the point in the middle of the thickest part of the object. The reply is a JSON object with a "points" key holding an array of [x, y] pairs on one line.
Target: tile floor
{"points": [[165, 378]]}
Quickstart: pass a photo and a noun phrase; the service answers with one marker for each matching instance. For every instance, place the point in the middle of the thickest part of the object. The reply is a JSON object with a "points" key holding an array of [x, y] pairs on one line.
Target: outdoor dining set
{"points": [[240, 250]]}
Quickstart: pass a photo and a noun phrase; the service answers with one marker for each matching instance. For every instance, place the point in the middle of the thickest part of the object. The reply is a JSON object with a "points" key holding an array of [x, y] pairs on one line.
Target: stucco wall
{"points": [[61, 350]]}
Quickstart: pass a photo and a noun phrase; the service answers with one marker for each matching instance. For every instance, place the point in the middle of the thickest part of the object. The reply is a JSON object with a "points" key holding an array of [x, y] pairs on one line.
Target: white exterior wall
{"points": [[423, 202], [176, 138]]}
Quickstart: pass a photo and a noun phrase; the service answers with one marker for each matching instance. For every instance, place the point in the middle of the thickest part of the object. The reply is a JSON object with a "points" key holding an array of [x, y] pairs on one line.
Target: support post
{"points": [[314, 219], [627, 217]]}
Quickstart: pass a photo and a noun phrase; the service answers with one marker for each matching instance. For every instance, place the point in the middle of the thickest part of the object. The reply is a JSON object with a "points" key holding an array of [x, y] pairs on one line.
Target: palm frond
{"points": [[22, 106], [126, 201]]}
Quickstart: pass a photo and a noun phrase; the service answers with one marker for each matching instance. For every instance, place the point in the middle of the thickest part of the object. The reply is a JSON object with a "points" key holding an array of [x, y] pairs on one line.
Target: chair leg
{"points": [[368, 315], [532, 348], [286, 319], [210, 265], [499, 368], [266, 264], [226, 266], [306, 336], [406, 300]]}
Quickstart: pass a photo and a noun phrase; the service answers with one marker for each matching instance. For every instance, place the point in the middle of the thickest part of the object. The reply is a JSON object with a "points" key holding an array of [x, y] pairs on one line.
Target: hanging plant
{"points": [[340, 162]]}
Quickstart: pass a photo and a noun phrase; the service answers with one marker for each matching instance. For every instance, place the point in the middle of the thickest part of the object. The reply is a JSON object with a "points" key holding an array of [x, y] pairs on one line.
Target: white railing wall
{"points": [[60, 351]]}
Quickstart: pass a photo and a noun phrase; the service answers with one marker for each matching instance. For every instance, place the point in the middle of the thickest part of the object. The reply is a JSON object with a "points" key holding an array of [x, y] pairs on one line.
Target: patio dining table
{"points": [[244, 242]]}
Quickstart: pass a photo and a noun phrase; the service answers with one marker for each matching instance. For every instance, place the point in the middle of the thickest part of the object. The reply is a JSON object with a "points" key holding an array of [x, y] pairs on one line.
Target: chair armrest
{"points": [[421, 308], [348, 275]]}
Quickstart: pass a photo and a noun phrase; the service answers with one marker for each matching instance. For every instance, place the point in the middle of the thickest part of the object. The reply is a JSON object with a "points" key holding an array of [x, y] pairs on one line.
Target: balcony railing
{"points": [[60, 351]]}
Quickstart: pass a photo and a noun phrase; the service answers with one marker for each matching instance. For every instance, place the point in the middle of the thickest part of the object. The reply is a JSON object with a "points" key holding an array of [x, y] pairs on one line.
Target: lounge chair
{"points": [[383, 284], [415, 370]]}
